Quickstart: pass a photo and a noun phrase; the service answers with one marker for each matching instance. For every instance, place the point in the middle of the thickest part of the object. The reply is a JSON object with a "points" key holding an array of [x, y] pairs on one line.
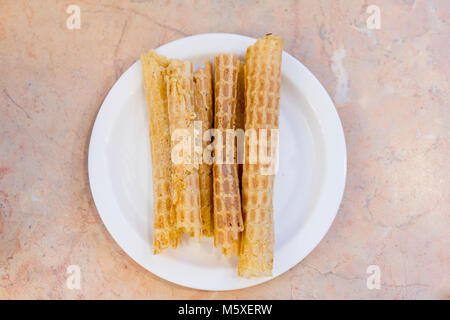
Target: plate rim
{"points": [[338, 147]]}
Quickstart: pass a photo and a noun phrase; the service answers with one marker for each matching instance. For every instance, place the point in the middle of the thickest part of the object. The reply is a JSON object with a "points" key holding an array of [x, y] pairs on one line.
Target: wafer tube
{"points": [[185, 178], [262, 87], [227, 201], [165, 231], [203, 103]]}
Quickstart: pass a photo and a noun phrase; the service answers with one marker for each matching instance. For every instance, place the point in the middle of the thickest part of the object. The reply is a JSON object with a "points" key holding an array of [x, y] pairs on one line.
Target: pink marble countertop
{"points": [[390, 87]]}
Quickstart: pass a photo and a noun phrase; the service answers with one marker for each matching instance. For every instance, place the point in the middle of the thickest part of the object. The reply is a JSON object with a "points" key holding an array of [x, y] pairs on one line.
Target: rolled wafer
{"points": [[165, 231], [185, 178], [203, 103], [262, 86], [227, 201]]}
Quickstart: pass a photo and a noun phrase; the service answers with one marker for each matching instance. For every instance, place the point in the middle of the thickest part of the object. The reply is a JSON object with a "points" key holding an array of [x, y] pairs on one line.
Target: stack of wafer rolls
{"points": [[226, 200]]}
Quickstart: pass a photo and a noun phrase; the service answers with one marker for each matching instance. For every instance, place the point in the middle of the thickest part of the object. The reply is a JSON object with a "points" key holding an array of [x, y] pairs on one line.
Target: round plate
{"points": [[308, 187]]}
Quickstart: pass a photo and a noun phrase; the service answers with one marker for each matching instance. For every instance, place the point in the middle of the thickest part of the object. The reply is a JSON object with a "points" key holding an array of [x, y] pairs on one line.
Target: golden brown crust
{"points": [[185, 179], [165, 232], [262, 87], [203, 102], [227, 200]]}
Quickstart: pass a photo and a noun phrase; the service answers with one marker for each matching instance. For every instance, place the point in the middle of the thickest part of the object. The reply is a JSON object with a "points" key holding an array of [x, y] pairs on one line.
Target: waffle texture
{"points": [[262, 86], [185, 178], [165, 232], [203, 104], [228, 221]]}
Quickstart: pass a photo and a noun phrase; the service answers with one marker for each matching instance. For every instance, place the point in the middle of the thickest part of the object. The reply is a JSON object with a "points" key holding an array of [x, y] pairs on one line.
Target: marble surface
{"points": [[390, 87]]}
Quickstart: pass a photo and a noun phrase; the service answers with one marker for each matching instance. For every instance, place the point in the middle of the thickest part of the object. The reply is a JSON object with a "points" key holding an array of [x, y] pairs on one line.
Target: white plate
{"points": [[308, 187]]}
